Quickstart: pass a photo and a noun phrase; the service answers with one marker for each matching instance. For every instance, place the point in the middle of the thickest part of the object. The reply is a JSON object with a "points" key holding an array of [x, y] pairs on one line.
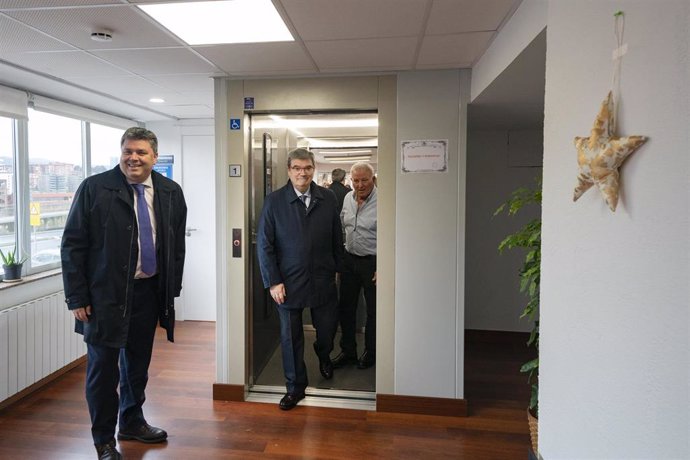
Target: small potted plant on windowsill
{"points": [[529, 238], [12, 266]]}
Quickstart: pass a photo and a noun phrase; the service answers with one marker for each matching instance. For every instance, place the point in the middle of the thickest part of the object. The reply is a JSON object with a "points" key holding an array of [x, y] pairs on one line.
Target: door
{"points": [[199, 280], [337, 141]]}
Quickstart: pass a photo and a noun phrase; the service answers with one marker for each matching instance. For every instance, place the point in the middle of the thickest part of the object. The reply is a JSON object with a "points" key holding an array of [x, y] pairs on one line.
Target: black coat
{"points": [[340, 191], [301, 248], [100, 250]]}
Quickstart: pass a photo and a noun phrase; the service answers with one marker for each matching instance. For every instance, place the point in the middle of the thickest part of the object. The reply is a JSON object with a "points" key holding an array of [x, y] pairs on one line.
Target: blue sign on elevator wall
{"points": [[248, 103], [234, 124]]}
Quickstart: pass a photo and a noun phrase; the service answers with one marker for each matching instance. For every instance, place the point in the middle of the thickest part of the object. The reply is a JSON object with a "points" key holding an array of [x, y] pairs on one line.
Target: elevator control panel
{"points": [[237, 242]]}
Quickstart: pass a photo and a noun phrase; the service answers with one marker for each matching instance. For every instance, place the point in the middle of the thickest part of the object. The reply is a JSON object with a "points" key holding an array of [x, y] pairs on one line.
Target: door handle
{"points": [[189, 231]]}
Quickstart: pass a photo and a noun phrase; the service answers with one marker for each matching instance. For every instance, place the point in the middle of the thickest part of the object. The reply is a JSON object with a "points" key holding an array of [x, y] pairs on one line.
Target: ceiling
{"points": [[45, 48]]}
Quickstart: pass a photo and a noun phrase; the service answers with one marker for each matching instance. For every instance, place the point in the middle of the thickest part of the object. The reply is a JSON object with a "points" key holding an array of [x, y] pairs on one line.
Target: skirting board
{"points": [[227, 392], [41, 383], [421, 405]]}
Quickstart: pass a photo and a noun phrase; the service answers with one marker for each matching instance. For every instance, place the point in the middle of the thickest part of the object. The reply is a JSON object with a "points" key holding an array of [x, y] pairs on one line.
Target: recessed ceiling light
{"points": [[210, 23], [157, 100]]}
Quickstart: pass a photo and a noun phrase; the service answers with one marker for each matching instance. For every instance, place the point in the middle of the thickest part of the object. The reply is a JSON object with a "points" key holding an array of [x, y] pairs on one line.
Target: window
{"points": [[8, 196], [105, 151], [55, 172], [44, 157]]}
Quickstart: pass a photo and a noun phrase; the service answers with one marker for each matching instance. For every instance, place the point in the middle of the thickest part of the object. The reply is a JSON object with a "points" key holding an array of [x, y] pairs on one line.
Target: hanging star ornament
{"points": [[601, 154]]}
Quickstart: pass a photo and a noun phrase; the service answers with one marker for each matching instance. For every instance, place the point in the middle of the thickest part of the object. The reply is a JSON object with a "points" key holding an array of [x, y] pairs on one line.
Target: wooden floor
{"points": [[53, 423]]}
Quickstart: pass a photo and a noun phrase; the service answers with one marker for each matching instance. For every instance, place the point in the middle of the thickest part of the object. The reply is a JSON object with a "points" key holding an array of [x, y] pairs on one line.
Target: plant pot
{"points": [[12, 272], [533, 425]]}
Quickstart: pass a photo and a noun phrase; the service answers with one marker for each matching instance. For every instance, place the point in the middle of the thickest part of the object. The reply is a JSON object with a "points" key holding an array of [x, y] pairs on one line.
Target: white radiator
{"points": [[37, 338]]}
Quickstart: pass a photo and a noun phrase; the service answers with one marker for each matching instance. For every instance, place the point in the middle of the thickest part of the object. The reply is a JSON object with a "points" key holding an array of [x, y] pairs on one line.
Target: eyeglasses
{"points": [[306, 169]]}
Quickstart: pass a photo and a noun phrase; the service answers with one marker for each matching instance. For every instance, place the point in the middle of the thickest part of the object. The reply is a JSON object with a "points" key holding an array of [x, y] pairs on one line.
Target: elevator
{"points": [[338, 139]]}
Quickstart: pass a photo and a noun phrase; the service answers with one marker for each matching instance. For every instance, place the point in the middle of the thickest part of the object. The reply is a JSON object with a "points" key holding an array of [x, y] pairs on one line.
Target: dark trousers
{"points": [[357, 275], [128, 366], [325, 321]]}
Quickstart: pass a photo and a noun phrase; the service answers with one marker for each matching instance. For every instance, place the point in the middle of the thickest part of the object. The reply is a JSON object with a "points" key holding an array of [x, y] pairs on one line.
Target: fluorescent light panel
{"points": [[212, 23], [297, 123]]}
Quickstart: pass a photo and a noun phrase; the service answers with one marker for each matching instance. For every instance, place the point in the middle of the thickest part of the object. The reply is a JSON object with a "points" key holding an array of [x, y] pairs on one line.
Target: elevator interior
{"points": [[338, 140]]}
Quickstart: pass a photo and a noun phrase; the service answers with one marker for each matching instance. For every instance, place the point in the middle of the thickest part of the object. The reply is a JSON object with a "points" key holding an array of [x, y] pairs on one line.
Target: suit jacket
{"points": [[302, 248], [340, 191], [100, 249]]}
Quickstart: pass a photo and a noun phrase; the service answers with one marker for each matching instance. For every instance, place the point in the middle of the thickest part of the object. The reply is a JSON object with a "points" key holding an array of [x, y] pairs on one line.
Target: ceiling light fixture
{"points": [[104, 35], [341, 153], [157, 100], [219, 22], [346, 159]]}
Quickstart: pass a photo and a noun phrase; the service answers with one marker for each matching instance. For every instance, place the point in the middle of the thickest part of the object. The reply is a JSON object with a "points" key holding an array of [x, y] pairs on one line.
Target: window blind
{"points": [[13, 103], [46, 104]]}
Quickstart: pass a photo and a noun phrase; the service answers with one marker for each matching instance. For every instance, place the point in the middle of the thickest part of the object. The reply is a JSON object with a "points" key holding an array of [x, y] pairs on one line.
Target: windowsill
{"points": [[31, 278]]}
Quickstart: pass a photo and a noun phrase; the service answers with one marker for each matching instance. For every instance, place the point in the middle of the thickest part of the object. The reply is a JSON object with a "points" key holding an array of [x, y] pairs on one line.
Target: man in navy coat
{"points": [[300, 249]]}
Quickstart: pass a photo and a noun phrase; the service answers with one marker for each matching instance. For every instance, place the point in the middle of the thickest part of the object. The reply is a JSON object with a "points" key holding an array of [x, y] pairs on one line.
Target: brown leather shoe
{"points": [[108, 451], [290, 400], [143, 433]]}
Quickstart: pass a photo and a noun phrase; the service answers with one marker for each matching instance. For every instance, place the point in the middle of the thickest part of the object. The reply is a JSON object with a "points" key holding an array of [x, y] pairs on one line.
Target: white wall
{"points": [[614, 319], [429, 248], [498, 162], [170, 135]]}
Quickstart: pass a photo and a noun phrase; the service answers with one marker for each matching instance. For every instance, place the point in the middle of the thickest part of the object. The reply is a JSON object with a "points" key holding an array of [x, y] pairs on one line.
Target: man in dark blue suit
{"points": [[123, 252], [300, 249]]}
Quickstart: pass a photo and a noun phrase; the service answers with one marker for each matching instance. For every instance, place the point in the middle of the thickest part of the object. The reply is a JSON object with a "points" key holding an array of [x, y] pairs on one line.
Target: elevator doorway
{"points": [[338, 140]]}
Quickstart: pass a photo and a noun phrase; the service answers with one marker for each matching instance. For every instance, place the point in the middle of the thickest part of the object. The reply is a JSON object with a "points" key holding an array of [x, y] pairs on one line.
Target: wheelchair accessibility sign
{"points": [[234, 124]]}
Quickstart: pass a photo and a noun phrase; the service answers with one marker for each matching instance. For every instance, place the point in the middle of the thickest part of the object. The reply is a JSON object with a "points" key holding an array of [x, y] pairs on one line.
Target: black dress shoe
{"points": [[108, 451], [366, 360], [144, 433], [325, 365], [344, 360], [290, 400], [326, 369]]}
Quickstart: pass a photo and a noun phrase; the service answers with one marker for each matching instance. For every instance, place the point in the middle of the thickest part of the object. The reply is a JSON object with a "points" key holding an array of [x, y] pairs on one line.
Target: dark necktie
{"points": [[148, 250], [304, 200]]}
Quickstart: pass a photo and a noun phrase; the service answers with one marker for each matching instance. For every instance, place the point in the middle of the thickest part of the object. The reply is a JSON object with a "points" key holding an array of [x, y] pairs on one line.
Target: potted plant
{"points": [[12, 265], [529, 238]]}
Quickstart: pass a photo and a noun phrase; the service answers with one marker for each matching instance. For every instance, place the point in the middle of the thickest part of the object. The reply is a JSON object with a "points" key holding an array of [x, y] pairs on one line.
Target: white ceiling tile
{"points": [[260, 57], [130, 27], [118, 84], [184, 82], [17, 38], [330, 20], [191, 111], [458, 50], [50, 3], [65, 64], [457, 16], [157, 61], [379, 53]]}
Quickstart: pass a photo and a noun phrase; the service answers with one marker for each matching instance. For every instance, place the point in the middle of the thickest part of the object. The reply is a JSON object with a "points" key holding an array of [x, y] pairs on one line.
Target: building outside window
{"points": [[55, 172], [105, 150]]}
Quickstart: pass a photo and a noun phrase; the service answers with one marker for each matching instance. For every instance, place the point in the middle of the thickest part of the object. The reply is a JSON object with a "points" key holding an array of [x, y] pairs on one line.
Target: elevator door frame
{"points": [[321, 397]]}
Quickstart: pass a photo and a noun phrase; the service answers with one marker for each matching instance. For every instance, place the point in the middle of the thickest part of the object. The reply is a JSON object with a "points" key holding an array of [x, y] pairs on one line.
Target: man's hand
{"points": [[374, 278], [278, 293], [82, 314]]}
